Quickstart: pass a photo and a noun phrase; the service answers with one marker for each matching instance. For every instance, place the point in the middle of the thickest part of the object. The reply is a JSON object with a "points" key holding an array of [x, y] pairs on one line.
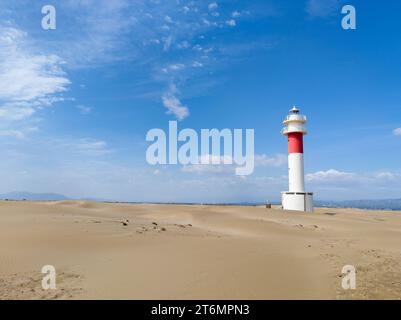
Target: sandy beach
{"points": [[128, 251]]}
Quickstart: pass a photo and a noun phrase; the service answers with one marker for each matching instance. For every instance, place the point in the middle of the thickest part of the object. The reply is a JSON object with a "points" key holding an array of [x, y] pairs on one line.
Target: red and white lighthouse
{"points": [[296, 198]]}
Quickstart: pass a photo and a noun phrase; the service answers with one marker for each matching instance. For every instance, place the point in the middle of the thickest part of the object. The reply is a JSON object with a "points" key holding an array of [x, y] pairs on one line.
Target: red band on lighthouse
{"points": [[295, 142]]}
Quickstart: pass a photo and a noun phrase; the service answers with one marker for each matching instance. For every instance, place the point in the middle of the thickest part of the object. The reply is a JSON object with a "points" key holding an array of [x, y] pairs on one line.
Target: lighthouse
{"points": [[296, 198]]}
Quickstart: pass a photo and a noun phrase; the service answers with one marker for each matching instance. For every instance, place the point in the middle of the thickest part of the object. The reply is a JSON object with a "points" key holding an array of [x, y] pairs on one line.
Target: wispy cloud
{"points": [[92, 147], [173, 104], [165, 41], [277, 160], [330, 174], [322, 8], [231, 23], [397, 132], [333, 175], [29, 81], [236, 14], [76, 148], [339, 185], [213, 6], [84, 109], [20, 133], [226, 163], [12, 133], [98, 31]]}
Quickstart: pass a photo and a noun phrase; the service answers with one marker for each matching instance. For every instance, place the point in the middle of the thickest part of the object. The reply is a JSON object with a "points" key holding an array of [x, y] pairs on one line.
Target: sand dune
{"points": [[124, 251]]}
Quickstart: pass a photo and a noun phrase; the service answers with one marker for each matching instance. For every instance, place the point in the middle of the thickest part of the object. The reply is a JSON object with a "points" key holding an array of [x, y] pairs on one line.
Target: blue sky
{"points": [[76, 102]]}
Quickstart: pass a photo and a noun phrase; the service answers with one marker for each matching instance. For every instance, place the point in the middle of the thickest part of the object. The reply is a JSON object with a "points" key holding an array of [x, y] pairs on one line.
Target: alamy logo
{"points": [[49, 20], [348, 282], [49, 280], [215, 147], [349, 20]]}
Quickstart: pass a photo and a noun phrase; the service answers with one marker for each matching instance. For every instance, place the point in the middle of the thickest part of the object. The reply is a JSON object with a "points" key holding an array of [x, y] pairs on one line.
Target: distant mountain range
{"points": [[385, 204], [23, 195]]}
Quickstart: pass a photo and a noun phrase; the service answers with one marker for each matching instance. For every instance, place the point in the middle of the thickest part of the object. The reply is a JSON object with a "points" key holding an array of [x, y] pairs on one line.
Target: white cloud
{"points": [[173, 104], [339, 185], [183, 45], [197, 64], [145, 34], [203, 168], [29, 81], [397, 132], [16, 111], [100, 30], [209, 163], [330, 174], [21, 133], [322, 8], [231, 23], [386, 175], [213, 6], [165, 27], [226, 163], [176, 66], [153, 41], [91, 147], [168, 19], [335, 176], [206, 22], [210, 158], [12, 133], [84, 109], [236, 14], [277, 160], [167, 43]]}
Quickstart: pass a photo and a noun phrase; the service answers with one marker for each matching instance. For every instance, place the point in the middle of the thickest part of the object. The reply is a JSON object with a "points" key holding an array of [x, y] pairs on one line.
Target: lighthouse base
{"points": [[297, 201]]}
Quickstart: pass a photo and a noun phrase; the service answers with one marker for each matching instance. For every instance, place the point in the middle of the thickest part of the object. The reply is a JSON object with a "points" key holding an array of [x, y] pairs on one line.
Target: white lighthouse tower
{"points": [[296, 198]]}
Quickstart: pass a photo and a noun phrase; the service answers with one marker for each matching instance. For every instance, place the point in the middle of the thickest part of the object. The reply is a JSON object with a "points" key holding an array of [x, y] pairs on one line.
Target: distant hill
{"points": [[23, 195], [385, 204]]}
